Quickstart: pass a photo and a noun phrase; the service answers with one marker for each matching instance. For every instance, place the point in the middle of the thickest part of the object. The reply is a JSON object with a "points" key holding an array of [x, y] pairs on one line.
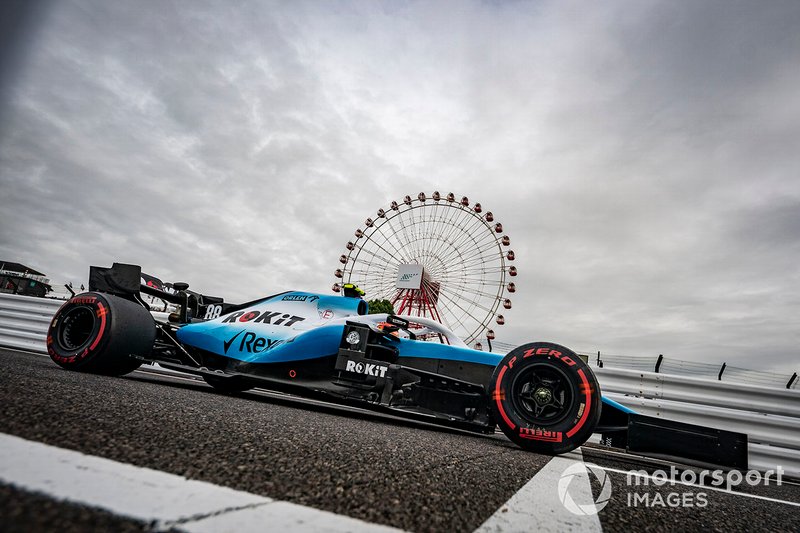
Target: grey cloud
{"points": [[640, 155]]}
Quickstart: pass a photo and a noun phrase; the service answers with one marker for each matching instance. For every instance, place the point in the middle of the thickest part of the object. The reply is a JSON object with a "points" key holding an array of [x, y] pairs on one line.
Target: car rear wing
{"points": [[124, 280]]}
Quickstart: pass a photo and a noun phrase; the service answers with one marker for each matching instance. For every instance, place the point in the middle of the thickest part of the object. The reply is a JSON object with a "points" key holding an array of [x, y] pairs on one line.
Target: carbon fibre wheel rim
{"points": [[76, 328], [542, 394]]}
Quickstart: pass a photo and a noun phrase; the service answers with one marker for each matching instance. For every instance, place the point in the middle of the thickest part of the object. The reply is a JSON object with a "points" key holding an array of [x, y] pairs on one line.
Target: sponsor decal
{"points": [[368, 369], [409, 276], [326, 314], [397, 321], [264, 317], [55, 356], [250, 342], [84, 300], [540, 434], [300, 298], [547, 351]]}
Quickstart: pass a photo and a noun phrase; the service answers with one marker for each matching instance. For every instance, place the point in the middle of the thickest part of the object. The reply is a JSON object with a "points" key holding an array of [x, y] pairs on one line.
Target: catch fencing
{"points": [[769, 415], [708, 371], [678, 367]]}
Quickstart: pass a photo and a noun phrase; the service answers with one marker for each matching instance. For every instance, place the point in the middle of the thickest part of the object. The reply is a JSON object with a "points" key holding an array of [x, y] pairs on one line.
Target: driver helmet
{"points": [[353, 291]]}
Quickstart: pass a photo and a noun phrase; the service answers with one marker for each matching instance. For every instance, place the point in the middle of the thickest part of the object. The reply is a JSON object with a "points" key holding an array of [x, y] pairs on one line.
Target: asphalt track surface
{"points": [[375, 468]]}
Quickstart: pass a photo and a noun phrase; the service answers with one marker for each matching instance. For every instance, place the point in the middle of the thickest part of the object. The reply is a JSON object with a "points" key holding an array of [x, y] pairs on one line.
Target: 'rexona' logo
{"points": [[565, 493], [250, 343], [368, 369]]}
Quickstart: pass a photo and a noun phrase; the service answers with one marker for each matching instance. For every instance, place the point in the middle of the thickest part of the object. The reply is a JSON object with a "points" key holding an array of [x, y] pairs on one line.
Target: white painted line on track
{"points": [[537, 507], [149, 496]]}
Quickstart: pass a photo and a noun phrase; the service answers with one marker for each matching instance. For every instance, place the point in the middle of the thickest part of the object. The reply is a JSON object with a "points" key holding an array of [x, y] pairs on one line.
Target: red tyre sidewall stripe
{"points": [[497, 396], [102, 312], [588, 394]]}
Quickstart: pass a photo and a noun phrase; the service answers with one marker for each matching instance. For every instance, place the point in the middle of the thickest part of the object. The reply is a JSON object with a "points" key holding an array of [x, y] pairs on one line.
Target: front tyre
{"points": [[545, 398], [96, 332]]}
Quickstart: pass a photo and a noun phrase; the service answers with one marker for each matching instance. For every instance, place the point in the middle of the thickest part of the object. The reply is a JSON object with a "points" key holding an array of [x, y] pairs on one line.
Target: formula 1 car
{"points": [[543, 396]]}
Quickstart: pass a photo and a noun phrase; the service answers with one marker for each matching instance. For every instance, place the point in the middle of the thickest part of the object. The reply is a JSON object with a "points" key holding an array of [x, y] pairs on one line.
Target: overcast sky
{"points": [[643, 156]]}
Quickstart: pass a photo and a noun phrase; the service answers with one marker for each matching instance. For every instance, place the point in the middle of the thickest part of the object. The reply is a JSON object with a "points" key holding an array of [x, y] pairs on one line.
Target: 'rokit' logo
{"points": [[264, 317], [368, 369]]}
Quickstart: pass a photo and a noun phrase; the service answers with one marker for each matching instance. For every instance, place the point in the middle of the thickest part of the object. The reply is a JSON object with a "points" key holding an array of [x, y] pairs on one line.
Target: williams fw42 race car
{"points": [[543, 396]]}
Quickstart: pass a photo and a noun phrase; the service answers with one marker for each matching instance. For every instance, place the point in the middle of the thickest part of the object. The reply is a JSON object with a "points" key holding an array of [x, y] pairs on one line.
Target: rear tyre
{"points": [[545, 398], [227, 385], [98, 333]]}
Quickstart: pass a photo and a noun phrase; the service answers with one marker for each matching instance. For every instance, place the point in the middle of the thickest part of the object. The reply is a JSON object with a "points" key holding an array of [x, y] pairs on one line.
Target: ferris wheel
{"points": [[437, 257]]}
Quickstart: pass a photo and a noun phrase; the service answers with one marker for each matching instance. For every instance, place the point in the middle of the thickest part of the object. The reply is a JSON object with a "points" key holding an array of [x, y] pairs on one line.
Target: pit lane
{"points": [[375, 468]]}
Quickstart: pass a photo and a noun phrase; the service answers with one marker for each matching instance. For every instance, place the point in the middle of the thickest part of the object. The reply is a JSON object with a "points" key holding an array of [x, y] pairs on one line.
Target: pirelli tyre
{"points": [[545, 398], [97, 332]]}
